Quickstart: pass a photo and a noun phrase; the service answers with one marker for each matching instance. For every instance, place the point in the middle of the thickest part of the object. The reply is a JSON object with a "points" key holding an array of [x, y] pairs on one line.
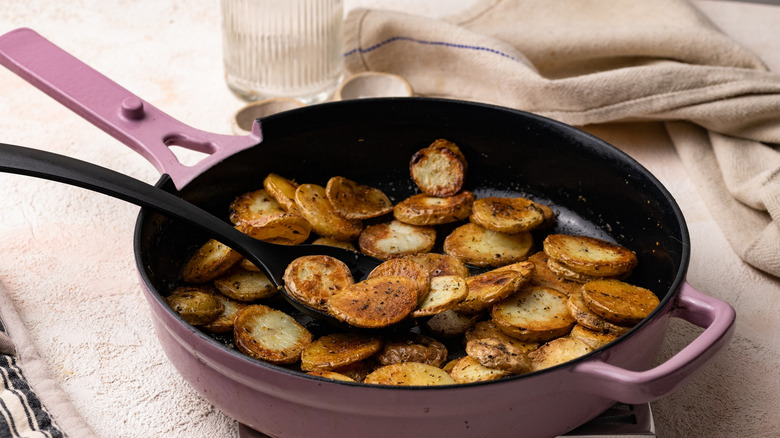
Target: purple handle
{"points": [[645, 386], [118, 112]]}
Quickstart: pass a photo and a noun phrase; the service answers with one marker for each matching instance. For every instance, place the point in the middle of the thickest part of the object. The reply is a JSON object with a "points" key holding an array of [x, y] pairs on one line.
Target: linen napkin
{"points": [[594, 61]]}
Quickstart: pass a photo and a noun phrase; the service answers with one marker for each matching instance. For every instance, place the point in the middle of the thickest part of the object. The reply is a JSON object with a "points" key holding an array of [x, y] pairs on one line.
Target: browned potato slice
{"points": [[507, 215], [374, 303], [314, 279], [337, 350], [396, 239], [491, 287], [422, 209], [496, 354], [356, 201], [440, 264], [535, 314], [357, 371], [590, 256], [224, 322], [249, 266], [450, 323], [583, 315], [450, 365], [242, 285], [264, 219], [549, 217], [543, 276], [468, 370], [490, 330], [439, 169], [267, 334], [619, 302], [563, 271], [413, 348], [594, 339], [331, 375], [409, 374], [283, 190], [405, 268], [445, 293], [209, 262], [558, 351], [315, 207], [195, 304], [329, 241], [474, 245]]}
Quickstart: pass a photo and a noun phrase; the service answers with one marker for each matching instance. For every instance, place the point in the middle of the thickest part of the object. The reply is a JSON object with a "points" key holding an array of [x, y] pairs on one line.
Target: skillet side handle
{"points": [[115, 110], [635, 387]]}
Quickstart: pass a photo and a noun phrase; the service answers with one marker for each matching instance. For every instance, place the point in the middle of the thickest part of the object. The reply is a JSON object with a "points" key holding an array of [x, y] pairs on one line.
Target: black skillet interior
{"points": [[595, 189]]}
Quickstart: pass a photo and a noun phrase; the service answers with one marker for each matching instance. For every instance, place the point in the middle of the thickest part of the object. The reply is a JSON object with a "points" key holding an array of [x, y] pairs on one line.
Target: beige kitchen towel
{"points": [[595, 61]]}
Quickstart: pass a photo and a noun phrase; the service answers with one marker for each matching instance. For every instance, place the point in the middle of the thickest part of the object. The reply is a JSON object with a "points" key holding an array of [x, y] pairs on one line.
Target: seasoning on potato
{"points": [[474, 245], [337, 350], [313, 280], [268, 334], [375, 303], [396, 239], [422, 209], [507, 215], [356, 201], [439, 169], [589, 256]]}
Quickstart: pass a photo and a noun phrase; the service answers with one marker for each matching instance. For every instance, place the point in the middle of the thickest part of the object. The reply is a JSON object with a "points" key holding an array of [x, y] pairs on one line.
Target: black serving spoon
{"points": [[271, 258]]}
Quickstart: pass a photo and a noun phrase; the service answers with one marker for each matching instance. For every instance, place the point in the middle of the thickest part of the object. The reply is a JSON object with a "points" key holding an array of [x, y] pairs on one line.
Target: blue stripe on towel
{"points": [[428, 43]]}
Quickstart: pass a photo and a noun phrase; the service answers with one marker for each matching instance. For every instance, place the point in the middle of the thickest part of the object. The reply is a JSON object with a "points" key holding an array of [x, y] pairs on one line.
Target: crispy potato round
{"points": [[422, 209], [474, 245], [263, 218], [283, 191], [439, 169], [496, 354], [619, 302], [449, 323], [594, 339], [195, 304], [489, 330], [413, 348], [209, 262], [558, 351], [356, 201], [396, 239], [506, 215], [314, 279], [468, 370], [490, 287], [405, 268], [583, 315], [224, 322], [315, 207], [589, 255], [534, 314], [331, 375], [563, 271], [445, 292], [543, 276], [374, 303], [409, 374], [337, 350], [243, 285], [267, 334], [440, 264]]}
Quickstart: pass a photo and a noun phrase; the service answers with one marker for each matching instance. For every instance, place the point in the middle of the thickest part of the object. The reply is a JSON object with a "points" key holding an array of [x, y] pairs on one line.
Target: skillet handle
{"points": [[115, 110], [635, 387]]}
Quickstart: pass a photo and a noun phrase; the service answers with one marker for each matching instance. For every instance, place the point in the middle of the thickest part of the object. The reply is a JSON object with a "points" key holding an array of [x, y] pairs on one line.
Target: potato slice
{"points": [[264, 219], [357, 371], [468, 370], [558, 351], [405, 268], [413, 348], [496, 354], [583, 315], [507, 215], [445, 293], [314, 279], [589, 255], [439, 169], [563, 271], [422, 209], [356, 201], [337, 350], [242, 285], [329, 241], [490, 330], [195, 304], [543, 276], [440, 264], [449, 323], [209, 262], [331, 375], [224, 322], [535, 314], [594, 339], [491, 287], [409, 374], [619, 302], [396, 239], [474, 245], [267, 334], [315, 207], [374, 303], [283, 191]]}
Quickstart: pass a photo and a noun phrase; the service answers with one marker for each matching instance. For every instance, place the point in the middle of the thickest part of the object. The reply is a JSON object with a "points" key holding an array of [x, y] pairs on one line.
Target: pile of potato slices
{"points": [[495, 302]]}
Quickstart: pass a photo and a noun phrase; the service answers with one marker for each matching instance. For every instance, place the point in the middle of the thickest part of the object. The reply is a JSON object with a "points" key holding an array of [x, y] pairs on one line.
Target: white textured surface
{"points": [[66, 255]]}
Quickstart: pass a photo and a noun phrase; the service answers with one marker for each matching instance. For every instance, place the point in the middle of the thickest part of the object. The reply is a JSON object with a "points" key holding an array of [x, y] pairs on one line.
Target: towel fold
{"points": [[595, 61]]}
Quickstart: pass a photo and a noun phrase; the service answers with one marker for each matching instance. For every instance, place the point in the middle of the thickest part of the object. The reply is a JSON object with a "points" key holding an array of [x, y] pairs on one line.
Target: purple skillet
{"points": [[595, 189]]}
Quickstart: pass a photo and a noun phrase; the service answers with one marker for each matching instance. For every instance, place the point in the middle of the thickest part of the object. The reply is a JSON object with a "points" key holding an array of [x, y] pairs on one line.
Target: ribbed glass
{"points": [[282, 48]]}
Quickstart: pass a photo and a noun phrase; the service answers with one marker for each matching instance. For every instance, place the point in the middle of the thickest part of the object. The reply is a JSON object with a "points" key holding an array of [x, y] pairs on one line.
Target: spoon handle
{"points": [[47, 165]]}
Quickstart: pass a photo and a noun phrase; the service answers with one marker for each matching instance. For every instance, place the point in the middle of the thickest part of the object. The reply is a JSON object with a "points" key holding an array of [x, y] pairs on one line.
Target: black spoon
{"points": [[271, 258]]}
